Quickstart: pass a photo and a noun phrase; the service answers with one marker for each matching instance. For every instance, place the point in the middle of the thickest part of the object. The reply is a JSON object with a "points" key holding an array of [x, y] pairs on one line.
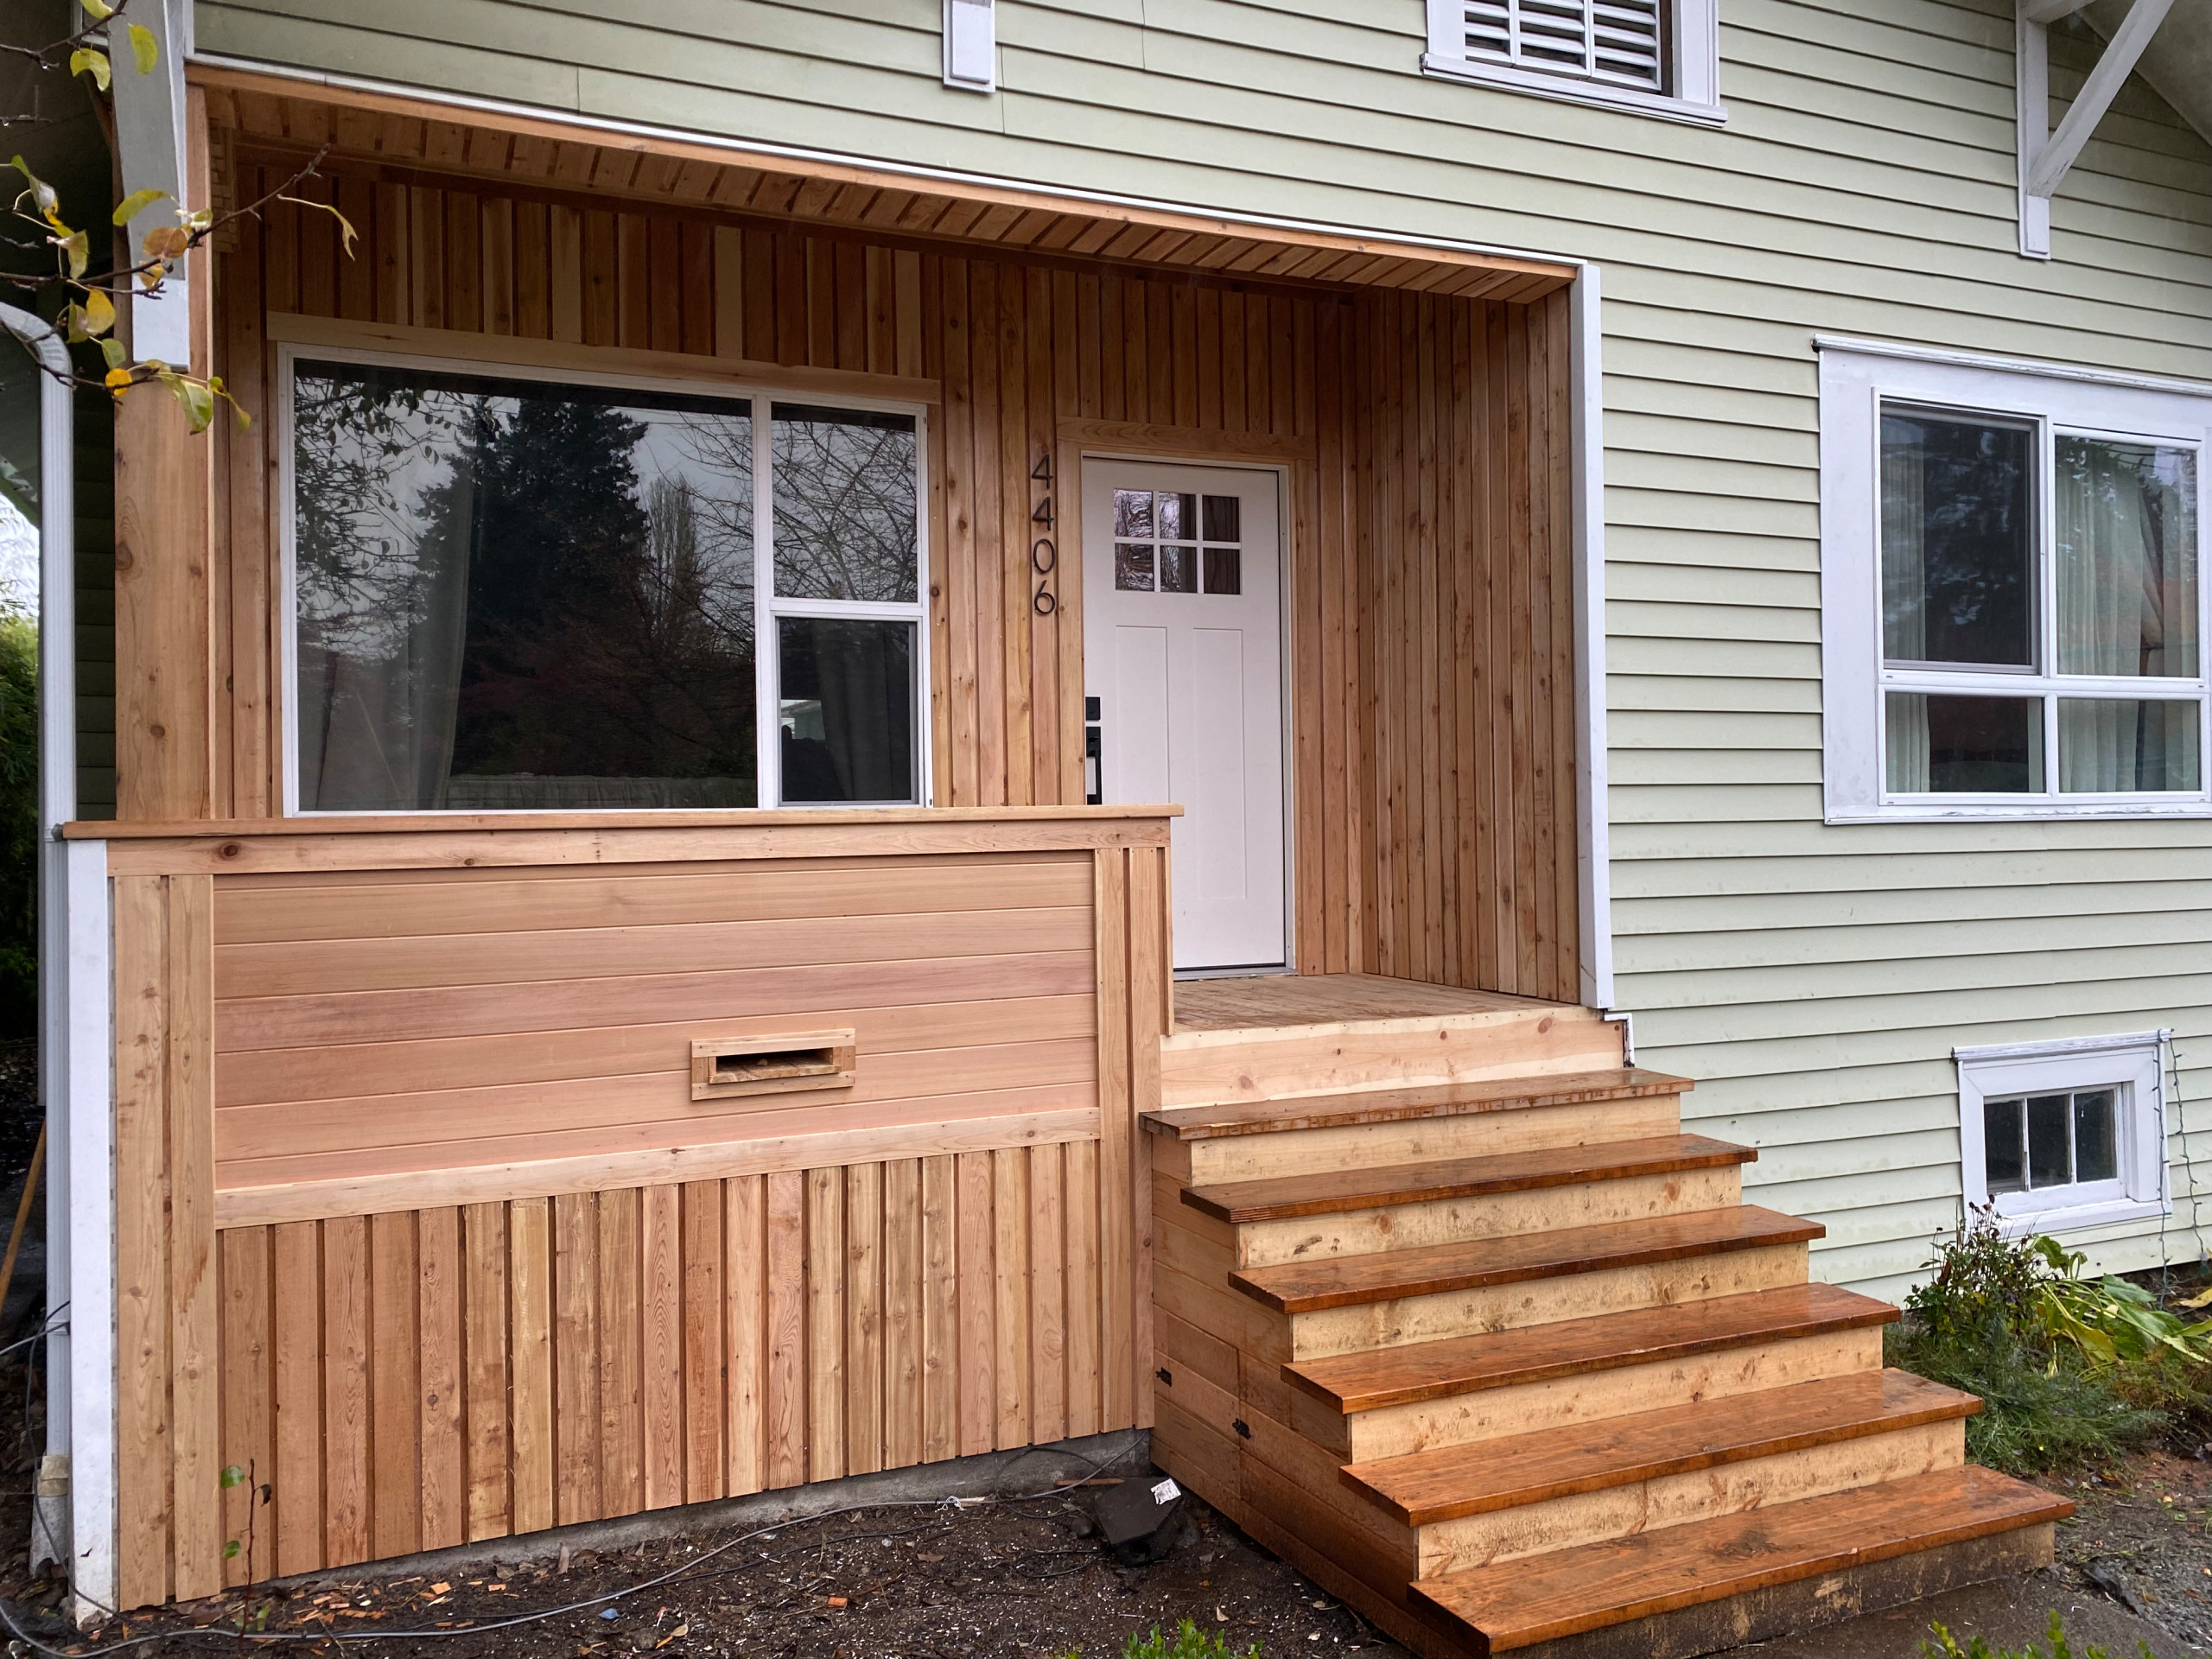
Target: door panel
{"points": [[1183, 649]]}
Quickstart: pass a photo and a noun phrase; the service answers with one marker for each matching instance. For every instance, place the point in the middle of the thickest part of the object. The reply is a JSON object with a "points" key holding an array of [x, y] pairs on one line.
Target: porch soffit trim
{"points": [[751, 175]]}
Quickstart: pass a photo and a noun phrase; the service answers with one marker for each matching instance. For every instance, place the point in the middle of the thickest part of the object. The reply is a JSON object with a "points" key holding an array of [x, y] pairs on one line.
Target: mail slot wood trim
{"points": [[769, 1063]]}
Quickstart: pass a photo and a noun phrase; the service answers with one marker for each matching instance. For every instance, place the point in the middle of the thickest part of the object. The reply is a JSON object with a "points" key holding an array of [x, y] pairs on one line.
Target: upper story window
{"points": [[2013, 610], [1660, 57], [510, 593]]}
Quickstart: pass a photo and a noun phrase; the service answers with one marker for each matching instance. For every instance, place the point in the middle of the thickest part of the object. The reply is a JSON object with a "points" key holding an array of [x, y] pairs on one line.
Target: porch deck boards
{"points": [[1265, 1001]]}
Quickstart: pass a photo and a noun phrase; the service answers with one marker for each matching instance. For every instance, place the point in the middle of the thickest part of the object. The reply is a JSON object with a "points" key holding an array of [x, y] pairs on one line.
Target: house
{"points": [[925, 728]]}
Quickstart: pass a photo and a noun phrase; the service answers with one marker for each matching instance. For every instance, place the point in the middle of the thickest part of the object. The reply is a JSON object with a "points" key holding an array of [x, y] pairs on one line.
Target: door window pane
{"points": [[2126, 523], [2096, 1143], [845, 495], [1132, 514], [1958, 532], [1967, 746], [1132, 569], [1179, 570], [1225, 570], [847, 709], [512, 593], [2005, 1154], [1178, 519], [1224, 517], [2107, 746]]}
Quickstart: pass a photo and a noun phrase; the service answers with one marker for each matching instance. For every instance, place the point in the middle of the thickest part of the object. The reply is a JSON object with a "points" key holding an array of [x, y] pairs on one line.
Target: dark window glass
{"points": [[516, 594], [2050, 1163], [1179, 570], [1132, 514], [844, 502], [2001, 1141], [1179, 517], [1224, 516], [1132, 568], [1973, 746], [1958, 534], [2096, 1147], [847, 709], [1225, 570]]}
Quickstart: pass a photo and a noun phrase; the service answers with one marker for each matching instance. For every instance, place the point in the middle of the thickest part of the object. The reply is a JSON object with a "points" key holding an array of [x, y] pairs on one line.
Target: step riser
{"points": [[1361, 1329], [1448, 1221], [1563, 1402], [1675, 1500], [1377, 1146], [1213, 1068]]}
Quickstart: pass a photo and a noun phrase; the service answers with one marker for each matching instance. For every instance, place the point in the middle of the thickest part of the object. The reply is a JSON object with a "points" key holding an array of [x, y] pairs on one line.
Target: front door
{"points": [[1182, 649]]}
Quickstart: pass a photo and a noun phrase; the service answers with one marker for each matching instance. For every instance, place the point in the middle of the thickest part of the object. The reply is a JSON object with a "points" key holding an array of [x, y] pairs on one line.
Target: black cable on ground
{"points": [[949, 1505]]}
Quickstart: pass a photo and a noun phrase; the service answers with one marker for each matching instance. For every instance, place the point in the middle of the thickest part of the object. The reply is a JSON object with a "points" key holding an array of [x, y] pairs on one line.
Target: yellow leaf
{"points": [[85, 58], [2202, 1299], [118, 381], [98, 10], [143, 51], [167, 242], [78, 249], [198, 402], [150, 278], [136, 203], [99, 313], [345, 231], [43, 195]]}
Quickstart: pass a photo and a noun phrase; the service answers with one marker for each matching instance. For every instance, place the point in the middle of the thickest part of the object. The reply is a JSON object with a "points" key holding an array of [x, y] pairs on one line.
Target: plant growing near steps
{"points": [[1188, 1642], [1946, 1646]]}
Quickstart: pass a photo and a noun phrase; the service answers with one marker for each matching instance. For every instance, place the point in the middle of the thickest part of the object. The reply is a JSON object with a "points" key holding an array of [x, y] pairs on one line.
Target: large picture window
{"points": [[2012, 592], [519, 593]]}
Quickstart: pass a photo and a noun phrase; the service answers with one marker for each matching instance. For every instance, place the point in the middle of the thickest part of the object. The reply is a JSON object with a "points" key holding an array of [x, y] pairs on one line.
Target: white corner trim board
{"points": [[1593, 850], [92, 1342]]}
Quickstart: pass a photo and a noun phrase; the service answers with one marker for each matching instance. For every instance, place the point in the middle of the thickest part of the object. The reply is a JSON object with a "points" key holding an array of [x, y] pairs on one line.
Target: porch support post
{"points": [[1593, 852], [2045, 156], [163, 616], [89, 1211]]}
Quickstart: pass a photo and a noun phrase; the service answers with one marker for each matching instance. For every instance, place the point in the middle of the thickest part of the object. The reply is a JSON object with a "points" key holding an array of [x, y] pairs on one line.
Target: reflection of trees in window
{"points": [[505, 581], [844, 504]]}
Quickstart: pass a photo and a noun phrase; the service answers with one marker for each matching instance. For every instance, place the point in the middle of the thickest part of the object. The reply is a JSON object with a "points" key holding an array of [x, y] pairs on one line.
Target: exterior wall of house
{"points": [[1814, 980]]}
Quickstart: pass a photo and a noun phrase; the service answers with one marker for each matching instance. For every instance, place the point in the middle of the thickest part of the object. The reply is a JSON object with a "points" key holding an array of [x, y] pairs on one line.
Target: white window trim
{"points": [[768, 605], [1857, 377], [2135, 1065], [1696, 68]]}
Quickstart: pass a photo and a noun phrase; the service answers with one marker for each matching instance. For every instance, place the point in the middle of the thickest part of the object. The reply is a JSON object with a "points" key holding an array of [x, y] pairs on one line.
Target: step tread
{"points": [[1432, 1371], [1445, 1484], [1389, 1275], [1406, 1105], [1589, 1586], [1335, 1192]]}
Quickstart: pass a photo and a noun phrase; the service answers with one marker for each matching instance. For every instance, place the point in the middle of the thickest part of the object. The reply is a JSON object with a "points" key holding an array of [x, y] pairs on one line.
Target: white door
{"points": [[1182, 648]]}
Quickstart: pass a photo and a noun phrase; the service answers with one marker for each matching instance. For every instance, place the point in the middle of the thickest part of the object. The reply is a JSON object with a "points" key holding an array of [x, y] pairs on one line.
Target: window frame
{"points": [[1691, 34], [2133, 1066], [769, 607], [1859, 380]]}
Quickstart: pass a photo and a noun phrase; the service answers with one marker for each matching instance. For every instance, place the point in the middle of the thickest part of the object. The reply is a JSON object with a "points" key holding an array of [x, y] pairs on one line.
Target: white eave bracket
{"points": [[2044, 155]]}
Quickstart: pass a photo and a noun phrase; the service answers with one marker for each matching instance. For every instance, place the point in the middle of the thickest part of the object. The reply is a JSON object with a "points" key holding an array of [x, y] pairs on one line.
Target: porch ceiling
{"points": [[518, 146]]}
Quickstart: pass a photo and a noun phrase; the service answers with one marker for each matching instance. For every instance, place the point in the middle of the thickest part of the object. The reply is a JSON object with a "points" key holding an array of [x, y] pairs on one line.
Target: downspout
{"points": [[57, 804]]}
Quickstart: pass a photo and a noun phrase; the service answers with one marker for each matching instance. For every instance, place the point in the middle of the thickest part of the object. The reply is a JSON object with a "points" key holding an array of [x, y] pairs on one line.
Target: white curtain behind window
{"points": [[1904, 601], [2126, 579]]}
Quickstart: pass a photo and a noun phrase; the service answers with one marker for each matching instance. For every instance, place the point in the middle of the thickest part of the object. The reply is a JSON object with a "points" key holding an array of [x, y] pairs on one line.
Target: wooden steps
{"points": [[1348, 1281], [1427, 1487], [1497, 1354], [1522, 1603], [1291, 1197], [1400, 1377]]}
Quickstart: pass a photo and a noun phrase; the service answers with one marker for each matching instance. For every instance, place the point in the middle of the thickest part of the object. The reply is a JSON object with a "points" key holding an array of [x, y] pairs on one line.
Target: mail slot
{"points": [[772, 1062]]}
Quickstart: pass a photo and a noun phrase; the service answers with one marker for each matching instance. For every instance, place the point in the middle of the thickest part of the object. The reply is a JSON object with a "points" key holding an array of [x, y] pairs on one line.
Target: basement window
{"points": [[513, 591], [2063, 1135], [1652, 57]]}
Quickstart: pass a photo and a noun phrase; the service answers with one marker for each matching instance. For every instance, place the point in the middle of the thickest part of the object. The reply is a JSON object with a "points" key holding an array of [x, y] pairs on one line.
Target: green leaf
{"points": [[111, 351], [230, 1550], [198, 402], [98, 10], [144, 50], [78, 248], [86, 58], [136, 203], [232, 1476]]}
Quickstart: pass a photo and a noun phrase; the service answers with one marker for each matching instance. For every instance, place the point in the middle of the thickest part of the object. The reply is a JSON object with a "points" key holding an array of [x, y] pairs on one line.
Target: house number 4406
{"points": [[1044, 556]]}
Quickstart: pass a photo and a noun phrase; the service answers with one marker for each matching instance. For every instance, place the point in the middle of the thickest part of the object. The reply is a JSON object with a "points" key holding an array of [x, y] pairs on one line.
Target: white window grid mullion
{"points": [[768, 756]]}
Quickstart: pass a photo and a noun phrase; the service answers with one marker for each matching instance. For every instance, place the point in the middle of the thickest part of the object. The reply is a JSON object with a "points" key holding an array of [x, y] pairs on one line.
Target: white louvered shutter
{"points": [[1620, 42]]}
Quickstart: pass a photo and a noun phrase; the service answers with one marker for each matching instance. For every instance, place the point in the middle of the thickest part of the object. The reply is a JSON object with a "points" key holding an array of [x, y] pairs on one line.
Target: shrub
{"points": [[2069, 1369], [1189, 1641], [1946, 1646]]}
